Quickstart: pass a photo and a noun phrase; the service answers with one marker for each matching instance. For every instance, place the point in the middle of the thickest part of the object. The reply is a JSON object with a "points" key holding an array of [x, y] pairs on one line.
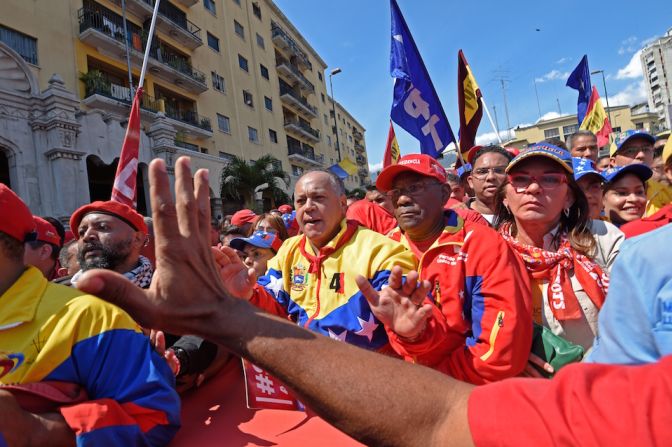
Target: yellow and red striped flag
{"points": [[391, 155], [596, 119]]}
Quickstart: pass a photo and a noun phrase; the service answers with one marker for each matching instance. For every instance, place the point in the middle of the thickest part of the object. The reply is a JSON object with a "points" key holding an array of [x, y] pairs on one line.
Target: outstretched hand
{"points": [[187, 294], [399, 306], [237, 278]]}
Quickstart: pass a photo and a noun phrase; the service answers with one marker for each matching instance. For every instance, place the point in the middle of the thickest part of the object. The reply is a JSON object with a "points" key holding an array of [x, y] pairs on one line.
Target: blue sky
{"points": [[499, 39]]}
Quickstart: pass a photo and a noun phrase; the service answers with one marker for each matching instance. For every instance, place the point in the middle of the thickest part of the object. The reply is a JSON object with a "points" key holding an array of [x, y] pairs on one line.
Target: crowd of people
{"points": [[514, 264]]}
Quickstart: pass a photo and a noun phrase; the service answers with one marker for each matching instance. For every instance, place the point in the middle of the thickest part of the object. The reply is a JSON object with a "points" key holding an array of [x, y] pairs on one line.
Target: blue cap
{"points": [[464, 169], [626, 136], [289, 218], [555, 153], [640, 170], [583, 167], [261, 239]]}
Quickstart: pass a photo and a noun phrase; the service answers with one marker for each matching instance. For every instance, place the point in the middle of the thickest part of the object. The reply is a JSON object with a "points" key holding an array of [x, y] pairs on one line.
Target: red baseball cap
{"points": [[284, 209], [17, 220], [46, 231], [242, 217], [119, 210], [471, 153], [419, 163]]}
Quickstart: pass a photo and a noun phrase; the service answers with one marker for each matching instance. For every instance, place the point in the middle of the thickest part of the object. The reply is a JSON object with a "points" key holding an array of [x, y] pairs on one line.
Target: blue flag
{"points": [[416, 106], [580, 80]]}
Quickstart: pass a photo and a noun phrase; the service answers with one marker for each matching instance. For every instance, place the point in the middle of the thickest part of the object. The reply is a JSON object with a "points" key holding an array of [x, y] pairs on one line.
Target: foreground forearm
{"points": [[370, 398]]}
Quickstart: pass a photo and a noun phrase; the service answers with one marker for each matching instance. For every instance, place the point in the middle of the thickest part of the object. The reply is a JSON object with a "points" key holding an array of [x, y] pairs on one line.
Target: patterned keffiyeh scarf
{"points": [[555, 268], [141, 276]]}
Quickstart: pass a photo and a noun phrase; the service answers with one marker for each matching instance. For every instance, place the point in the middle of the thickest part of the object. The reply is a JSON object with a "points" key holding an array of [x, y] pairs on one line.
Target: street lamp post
{"points": [[606, 95], [335, 71]]}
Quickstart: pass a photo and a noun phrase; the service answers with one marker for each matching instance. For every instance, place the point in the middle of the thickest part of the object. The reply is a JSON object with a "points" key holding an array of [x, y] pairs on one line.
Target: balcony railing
{"points": [[305, 153], [188, 146], [189, 117], [357, 134], [178, 63], [278, 33], [176, 18], [304, 127], [359, 147], [122, 94], [291, 71], [284, 90]]}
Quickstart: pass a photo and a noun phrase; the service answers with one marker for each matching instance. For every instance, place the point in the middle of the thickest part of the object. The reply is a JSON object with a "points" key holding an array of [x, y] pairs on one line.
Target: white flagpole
{"points": [[141, 82], [492, 123]]}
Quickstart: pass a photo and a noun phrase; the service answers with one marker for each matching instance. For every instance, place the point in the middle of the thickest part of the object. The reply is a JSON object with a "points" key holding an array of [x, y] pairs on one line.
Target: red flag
{"points": [[391, 149], [124, 188], [469, 104], [596, 119]]}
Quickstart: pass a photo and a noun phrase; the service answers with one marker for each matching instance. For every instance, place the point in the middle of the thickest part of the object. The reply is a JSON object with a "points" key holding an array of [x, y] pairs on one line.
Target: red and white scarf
{"points": [[555, 268]]}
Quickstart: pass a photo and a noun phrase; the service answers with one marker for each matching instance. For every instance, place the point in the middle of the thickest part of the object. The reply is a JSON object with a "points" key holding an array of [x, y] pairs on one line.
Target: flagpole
{"points": [[128, 57], [492, 123], [141, 82]]}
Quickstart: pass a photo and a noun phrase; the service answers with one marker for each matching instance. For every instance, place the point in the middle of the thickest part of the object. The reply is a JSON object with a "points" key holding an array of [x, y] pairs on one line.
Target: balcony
{"points": [[283, 41], [360, 159], [104, 31], [299, 103], [363, 172], [356, 134], [170, 21], [305, 157], [187, 3], [302, 129], [115, 98], [359, 147], [294, 74]]}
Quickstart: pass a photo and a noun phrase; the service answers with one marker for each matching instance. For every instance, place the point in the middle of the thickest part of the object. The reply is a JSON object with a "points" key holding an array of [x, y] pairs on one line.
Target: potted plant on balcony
{"points": [[95, 81]]}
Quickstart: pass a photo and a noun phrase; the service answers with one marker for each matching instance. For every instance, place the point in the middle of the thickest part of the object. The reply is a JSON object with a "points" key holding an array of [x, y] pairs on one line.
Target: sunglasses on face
{"points": [[549, 181]]}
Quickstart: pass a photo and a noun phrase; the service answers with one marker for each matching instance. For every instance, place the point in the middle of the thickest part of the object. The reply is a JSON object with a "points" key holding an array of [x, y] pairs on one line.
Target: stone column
{"points": [[162, 142]]}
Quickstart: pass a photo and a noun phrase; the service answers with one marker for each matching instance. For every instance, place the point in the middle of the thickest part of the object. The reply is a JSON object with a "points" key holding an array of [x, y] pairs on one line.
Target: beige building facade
{"points": [[623, 118], [656, 59], [225, 78]]}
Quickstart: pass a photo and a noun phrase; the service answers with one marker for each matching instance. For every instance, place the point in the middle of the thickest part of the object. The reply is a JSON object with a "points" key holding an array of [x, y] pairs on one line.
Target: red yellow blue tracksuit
{"points": [[328, 301], [481, 327], [52, 332]]}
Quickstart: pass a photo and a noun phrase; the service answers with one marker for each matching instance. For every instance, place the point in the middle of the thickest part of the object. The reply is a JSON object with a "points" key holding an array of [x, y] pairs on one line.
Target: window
{"points": [[224, 123], [247, 98], [260, 41], [252, 134], [264, 71], [218, 82], [242, 63], [569, 130], [329, 140], [204, 150], [239, 29], [551, 133], [273, 136], [350, 138], [268, 103], [237, 2], [210, 6], [256, 9], [297, 171], [319, 75], [25, 45], [226, 156], [349, 125], [639, 126], [339, 116], [616, 129], [326, 121], [322, 97], [213, 42]]}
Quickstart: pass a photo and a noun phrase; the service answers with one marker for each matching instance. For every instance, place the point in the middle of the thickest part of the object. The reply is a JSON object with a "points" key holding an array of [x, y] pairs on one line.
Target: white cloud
{"points": [[628, 45], [553, 75], [633, 69], [563, 60], [491, 137], [375, 167], [632, 94], [550, 115], [645, 42]]}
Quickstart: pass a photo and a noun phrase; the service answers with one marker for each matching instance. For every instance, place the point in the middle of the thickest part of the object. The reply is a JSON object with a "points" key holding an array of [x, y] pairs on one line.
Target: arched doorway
{"points": [[4, 169], [101, 179]]}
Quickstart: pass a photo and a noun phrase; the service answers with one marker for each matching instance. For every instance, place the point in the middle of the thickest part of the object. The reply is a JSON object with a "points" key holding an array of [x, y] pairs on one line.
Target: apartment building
{"points": [[656, 59], [225, 78]]}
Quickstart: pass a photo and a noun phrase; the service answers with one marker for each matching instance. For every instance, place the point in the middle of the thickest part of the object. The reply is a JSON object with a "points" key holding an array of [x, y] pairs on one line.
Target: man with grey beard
{"points": [[110, 235]]}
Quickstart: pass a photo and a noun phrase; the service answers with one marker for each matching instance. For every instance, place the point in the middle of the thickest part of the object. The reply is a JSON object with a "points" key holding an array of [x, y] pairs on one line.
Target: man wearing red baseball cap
{"points": [[244, 219], [479, 330], [110, 235], [50, 332], [44, 250]]}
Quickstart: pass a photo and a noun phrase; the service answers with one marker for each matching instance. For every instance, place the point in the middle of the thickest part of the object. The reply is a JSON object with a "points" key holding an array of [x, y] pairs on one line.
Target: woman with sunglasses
{"points": [[543, 215]]}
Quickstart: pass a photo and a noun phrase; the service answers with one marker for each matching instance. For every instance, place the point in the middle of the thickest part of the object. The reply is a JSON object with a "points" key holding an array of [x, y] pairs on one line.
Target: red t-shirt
{"points": [[662, 217], [585, 404], [371, 216]]}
